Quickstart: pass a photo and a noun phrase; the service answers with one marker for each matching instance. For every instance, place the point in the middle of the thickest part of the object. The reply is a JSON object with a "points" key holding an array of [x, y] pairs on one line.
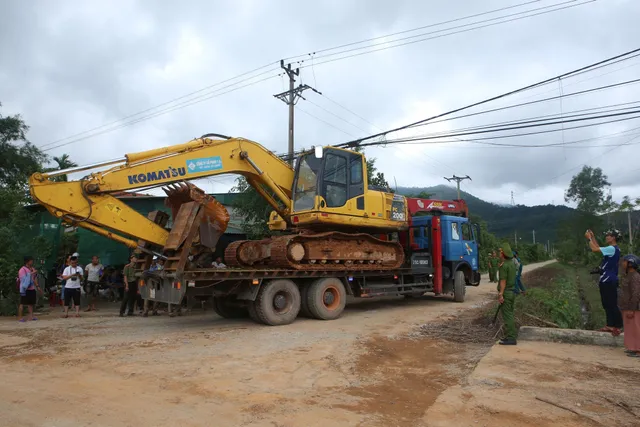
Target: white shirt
{"points": [[93, 272], [72, 282], [218, 265]]}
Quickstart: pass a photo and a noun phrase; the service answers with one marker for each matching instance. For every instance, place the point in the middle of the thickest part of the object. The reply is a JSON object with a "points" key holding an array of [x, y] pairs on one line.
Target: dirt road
{"points": [[366, 368]]}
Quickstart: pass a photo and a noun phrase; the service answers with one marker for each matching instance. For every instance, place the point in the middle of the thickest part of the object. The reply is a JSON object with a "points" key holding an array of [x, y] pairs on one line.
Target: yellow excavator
{"points": [[328, 214]]}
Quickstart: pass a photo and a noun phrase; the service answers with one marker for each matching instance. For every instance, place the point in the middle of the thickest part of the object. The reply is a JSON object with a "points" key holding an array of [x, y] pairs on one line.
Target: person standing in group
{"points": [[72, 289], [493, 269], [506, 294], [608, 282], [28, 285], [519, 287], [489, 269], [629, 303], [94, 272], [67, 261], [130, 288]]}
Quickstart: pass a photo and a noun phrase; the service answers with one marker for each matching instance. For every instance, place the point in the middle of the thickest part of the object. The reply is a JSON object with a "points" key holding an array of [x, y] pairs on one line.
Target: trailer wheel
{"points": [[326, 298], [224, 307], [304, 305], [459, 286], [277, 303]]}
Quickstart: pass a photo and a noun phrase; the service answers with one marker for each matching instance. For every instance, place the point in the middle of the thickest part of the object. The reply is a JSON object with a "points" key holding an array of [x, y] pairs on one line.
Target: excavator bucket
{"points": [[213, 222]]}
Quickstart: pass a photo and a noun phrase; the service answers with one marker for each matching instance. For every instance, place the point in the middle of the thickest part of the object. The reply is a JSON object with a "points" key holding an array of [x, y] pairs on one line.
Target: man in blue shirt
{"points": [[608, 282]]}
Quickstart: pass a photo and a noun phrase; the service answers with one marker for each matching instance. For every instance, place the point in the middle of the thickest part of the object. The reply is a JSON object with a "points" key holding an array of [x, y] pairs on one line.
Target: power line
{"points": [[171, 101], [598, 157], [483, 144], [337, 116], [411, 30], [544, 11], [503, 129], [508, 107], [156, 114], [578, 113], [320, 120], [357, 142], [350, 111], [189, 102]]}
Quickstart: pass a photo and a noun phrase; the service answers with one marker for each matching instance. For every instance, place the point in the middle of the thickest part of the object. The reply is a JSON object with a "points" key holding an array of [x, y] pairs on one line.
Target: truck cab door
{"points": [[469, 245], [452, 247]]}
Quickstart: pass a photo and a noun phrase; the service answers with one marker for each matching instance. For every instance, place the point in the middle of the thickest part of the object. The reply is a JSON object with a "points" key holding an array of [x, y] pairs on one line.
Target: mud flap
{"points": [[162, 289]]}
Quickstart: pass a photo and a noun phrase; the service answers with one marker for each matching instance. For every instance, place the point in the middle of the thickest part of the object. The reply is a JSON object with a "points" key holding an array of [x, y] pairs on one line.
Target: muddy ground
{"points": [[376, 366]]}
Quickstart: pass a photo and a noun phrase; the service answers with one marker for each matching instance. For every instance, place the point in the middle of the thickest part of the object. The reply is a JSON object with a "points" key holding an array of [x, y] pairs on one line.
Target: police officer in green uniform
{"points": [[506, 294], [493, 267]]}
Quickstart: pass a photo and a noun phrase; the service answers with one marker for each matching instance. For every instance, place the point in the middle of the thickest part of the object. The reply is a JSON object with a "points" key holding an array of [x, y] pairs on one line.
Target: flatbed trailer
{"points": [[441, 258]]}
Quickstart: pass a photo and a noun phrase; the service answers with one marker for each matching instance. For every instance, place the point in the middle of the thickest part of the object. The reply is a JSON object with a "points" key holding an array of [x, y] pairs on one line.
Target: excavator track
{"points": [[317, 251]]}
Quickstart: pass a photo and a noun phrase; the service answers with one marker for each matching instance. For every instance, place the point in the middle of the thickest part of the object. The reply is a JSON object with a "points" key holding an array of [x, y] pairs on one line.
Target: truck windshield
{"points": [[306, 183]]}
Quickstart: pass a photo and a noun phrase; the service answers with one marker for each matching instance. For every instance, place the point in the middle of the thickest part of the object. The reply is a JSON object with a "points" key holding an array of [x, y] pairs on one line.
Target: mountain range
{"points": [[505, 221]]}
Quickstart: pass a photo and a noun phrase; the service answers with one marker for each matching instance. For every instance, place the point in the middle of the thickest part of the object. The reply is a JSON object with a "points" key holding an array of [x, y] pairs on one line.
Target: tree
{"points": [[18, 160], [374, 177], [252, 208], [18, 157], [420, 195], [587, 189]]}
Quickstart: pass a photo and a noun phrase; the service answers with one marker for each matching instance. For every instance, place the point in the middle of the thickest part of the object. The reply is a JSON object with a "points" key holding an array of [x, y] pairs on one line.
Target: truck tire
{"points": [[326, 298], [459, 286], [304, 305], [251, 308], [224, 307], [277, 303]]}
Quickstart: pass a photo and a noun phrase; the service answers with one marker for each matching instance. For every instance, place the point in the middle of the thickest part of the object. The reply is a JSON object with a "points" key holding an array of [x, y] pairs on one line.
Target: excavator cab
{"points": [[331, 188]]}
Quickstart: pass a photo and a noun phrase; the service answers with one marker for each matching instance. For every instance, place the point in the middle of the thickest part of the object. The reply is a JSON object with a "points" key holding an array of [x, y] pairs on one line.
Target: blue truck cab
{"points": [[459, 247]]}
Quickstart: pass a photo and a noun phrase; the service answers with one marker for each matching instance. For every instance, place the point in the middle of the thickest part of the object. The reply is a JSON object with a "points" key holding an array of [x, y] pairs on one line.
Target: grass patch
{"points": [[553, 296], [588, 286]]}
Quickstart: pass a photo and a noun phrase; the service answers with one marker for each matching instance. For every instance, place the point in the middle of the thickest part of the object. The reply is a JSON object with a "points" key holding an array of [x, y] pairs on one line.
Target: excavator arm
{"points": [[89, 202]]}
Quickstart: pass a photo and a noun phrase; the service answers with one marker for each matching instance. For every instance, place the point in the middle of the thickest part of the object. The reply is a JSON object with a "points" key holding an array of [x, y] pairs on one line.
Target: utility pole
{"points": [[534, 237], [290, 97], [548, 247], [457, 179]]}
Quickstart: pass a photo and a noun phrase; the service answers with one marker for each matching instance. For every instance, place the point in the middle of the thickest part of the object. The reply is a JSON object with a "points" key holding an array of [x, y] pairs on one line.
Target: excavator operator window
{"points": [[356, 170], [306, 183], [335, 180]]}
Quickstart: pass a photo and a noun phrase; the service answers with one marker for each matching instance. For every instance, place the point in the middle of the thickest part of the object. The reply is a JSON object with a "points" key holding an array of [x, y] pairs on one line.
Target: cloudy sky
{"points": [[79, 67]]}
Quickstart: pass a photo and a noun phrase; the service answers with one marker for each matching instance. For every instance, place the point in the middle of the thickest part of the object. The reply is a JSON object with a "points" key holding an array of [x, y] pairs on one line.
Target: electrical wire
{"points": [[595, 158], [337, 116], [156, 114], [506, 128], [206, 96], [323, 121], [512, 17], [350, 111], [552, 98], [169, 102], [579, 113], [410, 30], [442, 35], [357, 142]]}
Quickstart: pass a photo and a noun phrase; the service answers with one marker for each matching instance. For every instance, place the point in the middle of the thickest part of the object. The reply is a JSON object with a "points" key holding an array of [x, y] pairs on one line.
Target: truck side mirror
{"points": [[318, 152]]}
